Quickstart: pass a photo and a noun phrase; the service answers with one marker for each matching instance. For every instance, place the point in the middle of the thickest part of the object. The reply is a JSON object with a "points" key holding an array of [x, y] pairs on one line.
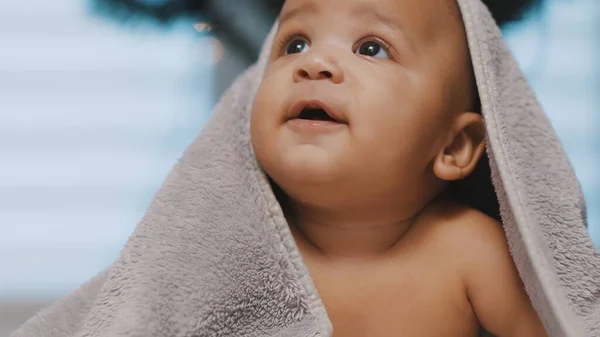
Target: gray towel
{"points": [[213, 256]]}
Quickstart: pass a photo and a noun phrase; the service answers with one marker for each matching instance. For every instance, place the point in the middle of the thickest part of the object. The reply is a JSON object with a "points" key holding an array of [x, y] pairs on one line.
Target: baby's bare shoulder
{"points": [[475, 246], [463, 235], [461, 227]]}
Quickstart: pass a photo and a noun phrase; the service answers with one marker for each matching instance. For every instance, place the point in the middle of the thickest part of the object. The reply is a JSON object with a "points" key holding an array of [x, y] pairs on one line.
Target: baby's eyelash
{"points": [[283, 42], [372, 38]]}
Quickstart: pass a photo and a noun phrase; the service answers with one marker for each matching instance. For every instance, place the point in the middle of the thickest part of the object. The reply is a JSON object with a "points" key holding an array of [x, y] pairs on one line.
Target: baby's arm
{"points": [[494, 287]]}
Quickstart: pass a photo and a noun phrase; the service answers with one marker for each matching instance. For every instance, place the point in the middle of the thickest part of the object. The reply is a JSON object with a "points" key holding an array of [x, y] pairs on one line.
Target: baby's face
{"points": [[361, 91]]}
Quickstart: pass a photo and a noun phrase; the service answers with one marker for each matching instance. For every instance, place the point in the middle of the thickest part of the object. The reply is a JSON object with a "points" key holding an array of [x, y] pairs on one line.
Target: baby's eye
{"points": [[296, 46], [372, 49]]}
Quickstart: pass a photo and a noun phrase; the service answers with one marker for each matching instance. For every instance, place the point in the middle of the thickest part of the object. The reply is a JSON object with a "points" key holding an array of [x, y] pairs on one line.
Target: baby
{"points": [[368, 110]]}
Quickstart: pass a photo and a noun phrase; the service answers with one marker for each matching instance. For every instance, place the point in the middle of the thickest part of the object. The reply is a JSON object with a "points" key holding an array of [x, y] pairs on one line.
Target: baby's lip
{"points": [[302, 104]]}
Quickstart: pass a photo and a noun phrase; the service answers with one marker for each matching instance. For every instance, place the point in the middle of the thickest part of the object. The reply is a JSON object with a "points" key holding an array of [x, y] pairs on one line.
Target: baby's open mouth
{"points": [[315, 114]]}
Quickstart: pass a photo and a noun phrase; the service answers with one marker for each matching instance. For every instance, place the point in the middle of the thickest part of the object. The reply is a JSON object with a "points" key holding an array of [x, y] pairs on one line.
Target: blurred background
{"points": [[99, 98]]}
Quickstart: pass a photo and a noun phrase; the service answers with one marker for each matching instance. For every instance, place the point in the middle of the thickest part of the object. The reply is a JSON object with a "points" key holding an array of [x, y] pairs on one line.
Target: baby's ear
{"points": [[459, 157]]}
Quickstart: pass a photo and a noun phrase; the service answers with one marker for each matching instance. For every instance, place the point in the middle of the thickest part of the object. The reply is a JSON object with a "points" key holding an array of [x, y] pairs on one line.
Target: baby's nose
{"points": [[316, 67]]}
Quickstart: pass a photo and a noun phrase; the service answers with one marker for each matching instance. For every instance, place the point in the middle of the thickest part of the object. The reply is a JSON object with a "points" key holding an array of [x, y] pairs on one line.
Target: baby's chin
{"points": [[305, 164]]}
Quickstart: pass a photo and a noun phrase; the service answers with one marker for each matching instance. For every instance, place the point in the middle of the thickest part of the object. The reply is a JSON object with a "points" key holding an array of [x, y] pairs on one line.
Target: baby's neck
{"points": [[346, 234]]}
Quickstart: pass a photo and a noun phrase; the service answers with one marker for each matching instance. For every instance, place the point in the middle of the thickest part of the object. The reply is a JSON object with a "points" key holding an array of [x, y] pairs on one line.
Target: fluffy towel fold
{"points": [[213, 256]]}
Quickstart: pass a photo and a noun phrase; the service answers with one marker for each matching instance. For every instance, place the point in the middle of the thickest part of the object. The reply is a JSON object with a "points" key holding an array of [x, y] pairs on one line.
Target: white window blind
{"points": [[92, 117]]}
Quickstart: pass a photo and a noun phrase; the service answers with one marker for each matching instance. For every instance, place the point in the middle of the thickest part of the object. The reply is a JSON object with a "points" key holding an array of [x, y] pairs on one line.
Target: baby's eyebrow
{"points": [[372, 12], [361, 11], [305, 8]]}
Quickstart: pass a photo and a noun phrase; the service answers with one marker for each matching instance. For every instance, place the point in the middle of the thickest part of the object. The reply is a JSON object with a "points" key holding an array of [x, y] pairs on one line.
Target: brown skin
{"points": [[386, 252]]}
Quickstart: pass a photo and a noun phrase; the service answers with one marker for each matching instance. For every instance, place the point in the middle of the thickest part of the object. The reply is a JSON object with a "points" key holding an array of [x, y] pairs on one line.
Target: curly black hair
{"points": [[504, 11]]}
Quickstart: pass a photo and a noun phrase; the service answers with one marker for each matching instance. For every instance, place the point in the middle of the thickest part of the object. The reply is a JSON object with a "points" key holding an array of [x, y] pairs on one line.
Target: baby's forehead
{"points": [[417, 16]]}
